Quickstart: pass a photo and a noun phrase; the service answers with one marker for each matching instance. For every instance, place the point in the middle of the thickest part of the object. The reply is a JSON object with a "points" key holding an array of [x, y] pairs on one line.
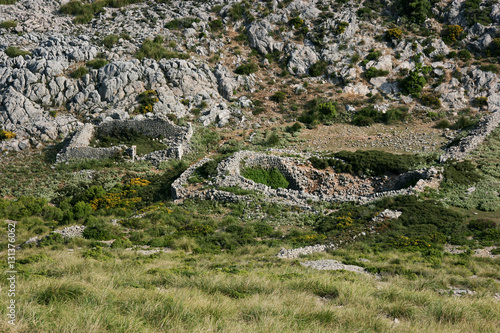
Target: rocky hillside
{"points": [[224, 62]]}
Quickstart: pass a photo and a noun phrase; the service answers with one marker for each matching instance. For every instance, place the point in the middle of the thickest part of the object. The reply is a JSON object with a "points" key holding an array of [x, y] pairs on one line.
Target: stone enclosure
{"points": [[178, 138], [307, 184]]}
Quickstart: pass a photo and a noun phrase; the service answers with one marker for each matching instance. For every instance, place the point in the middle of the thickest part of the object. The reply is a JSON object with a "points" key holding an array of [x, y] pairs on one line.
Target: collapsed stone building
{"points": [[176, 137]]}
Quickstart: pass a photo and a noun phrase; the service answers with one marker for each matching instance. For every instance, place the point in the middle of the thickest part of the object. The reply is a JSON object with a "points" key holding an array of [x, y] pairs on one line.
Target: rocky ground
{"points": [[42, 100]]}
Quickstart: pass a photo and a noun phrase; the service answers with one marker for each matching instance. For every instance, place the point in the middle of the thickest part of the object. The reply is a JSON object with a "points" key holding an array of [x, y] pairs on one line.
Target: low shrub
{"points": [[154, 49], [430, 101], [374, 72], [369, 115], [318, 68], [13, 52], [97, 63], [489, 68], [464, 122], [110, 40], [414, 83], [451, 33], [146, 101], [318, 111], [79, 72], [279, 97], [370, 162], [464, 55], [8, 24], [182, 23], [6, 135], [247, 69], [216, 25], [394, 33], [374, 55], [442, 124]]}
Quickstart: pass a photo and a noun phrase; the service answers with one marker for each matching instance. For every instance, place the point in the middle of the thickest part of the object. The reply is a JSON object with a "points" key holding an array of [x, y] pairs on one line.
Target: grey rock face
{"points": [[301, 58], [227, 83], [259, 38]]}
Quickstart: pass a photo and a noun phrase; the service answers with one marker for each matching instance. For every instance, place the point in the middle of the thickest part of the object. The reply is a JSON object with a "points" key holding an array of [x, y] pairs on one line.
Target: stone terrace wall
{"points": [[153, 127], [474, 139]]}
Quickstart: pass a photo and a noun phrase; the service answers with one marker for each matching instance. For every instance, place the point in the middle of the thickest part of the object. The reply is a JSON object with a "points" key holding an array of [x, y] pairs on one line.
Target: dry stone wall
{"points": [[474, 139]]}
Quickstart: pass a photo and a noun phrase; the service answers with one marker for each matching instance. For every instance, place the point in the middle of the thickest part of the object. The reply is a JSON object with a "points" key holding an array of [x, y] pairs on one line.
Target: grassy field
{"points": [[251, 290]]}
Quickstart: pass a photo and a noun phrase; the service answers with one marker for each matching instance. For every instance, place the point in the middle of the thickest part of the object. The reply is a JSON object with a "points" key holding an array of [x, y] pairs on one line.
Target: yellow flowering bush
{"points": [[394, 33], [139, 182], [451, 33], [5, 135]]}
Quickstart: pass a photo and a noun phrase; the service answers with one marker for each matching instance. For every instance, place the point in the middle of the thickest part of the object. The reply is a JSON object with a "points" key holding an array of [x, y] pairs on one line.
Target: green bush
{"points": [[110, 40], [489, 68], [79, 72], [52, 239], [414, 83], [480, 101], [154, 49], [451, 34], [97, 63], [464, 55], [7, 2], [494, 47], [182, 23], [374, 55], [368, 116], [247, 69], [8, 24], [430, 101], [121, 243], [374, 72], [318, 68], [464, 122], [13, 51], [463, 173], [208, 169], [97, 230], [278, 97], [319, 111], [442, 124], [216, 25], [415, 11], [271, 177]]}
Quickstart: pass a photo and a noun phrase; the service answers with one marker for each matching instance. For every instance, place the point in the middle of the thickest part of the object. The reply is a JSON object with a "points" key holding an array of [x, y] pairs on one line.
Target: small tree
{"points": [[413, 83]]}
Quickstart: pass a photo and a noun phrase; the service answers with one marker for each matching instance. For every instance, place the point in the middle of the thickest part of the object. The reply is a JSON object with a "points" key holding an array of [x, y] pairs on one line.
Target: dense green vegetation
{"points": [[369, 162], [319, 111], [270, 177], [247, 69], [369, 115]]}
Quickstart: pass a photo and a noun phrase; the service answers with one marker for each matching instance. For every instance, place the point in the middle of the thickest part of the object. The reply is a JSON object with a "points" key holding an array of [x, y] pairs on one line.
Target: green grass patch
{"points": [[270, 177]]}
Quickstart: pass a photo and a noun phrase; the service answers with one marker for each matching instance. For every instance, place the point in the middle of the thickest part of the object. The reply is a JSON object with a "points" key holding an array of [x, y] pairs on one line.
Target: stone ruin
{"points": [[307, 184], [469, 143], [178, 138]]}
